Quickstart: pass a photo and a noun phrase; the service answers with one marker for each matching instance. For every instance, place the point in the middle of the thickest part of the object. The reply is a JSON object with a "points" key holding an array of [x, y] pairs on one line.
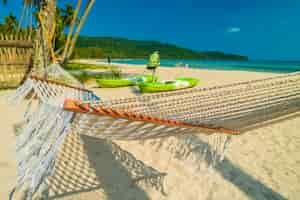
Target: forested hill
{"points": [[102, 47]]}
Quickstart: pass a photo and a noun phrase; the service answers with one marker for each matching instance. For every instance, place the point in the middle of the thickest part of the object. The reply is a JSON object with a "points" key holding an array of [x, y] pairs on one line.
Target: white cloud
{"points": [[233, 30]]}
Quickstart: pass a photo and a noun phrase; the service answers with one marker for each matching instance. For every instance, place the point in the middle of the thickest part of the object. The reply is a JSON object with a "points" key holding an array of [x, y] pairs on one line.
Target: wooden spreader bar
{"points": [[80, 107]]}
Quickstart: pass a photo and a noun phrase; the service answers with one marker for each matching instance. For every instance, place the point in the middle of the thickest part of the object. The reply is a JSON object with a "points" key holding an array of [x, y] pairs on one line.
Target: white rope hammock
{"points": [[69, 108]]}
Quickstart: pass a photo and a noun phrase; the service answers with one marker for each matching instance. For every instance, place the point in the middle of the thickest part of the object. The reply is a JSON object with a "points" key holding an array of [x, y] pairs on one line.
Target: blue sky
{"points": [[260, 29]]}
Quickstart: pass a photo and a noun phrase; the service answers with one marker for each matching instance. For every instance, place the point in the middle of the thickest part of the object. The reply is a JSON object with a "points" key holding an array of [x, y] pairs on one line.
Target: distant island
{"points": [[102, 47]]}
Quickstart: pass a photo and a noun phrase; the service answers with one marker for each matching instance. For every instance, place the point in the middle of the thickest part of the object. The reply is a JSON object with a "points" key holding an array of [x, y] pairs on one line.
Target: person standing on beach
{"points": [[108, 60], [154, 62]]}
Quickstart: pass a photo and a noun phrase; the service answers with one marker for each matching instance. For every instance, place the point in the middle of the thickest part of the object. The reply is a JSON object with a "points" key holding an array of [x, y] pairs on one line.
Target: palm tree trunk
{"points": [[72, 26], [42, 57], [82, 21]]}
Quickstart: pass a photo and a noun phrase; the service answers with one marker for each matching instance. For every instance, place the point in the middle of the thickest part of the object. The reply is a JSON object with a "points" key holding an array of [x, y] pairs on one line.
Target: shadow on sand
{"points": [[92, 166], [253, 188]]}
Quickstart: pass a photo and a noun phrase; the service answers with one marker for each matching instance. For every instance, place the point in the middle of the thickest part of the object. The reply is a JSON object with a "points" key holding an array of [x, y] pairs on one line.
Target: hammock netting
{"points": [[235, 106], [57, 109]]}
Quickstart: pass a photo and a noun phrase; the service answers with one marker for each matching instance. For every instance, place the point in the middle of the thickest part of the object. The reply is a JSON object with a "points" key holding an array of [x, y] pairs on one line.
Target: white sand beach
{"points": [[262, 164]]}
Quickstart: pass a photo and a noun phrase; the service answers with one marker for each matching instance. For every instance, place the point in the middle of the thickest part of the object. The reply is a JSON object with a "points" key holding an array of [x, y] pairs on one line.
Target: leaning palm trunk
{"points": [[72, 26], [21, 17], [82, 21]]}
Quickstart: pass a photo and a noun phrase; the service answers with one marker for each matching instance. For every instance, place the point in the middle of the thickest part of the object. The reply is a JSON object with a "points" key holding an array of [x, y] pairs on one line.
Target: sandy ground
{"points": [[261, 164]]}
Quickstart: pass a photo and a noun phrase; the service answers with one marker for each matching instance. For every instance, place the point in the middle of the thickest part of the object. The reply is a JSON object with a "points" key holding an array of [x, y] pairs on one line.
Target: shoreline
{"points": [[97, 62], [257, 67]]}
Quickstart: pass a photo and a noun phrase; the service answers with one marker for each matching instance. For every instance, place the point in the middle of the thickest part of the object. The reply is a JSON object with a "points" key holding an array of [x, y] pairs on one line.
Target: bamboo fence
{"points": [[15, 58]]}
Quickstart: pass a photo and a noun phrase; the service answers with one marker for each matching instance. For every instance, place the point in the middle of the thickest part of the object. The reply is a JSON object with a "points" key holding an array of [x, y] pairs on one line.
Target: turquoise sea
{"points": [[252, 65]]}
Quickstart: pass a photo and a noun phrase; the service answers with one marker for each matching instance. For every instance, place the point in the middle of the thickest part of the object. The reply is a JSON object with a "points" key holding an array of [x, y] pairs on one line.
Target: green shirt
{"points": [[154, 60]]}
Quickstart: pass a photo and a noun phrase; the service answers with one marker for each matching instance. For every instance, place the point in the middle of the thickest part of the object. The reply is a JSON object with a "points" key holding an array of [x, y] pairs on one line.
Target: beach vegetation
{"points": [[10, 24], [103, 47], [102, 71], [112, 73], [80, 66]]}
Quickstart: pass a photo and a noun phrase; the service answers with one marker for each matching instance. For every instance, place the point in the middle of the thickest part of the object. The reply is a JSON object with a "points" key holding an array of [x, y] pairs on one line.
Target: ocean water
{"points": [[261, 66]]}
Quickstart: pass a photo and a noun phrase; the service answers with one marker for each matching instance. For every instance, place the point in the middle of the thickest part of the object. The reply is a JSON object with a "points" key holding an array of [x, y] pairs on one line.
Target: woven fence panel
{"points": [[15, 59]]}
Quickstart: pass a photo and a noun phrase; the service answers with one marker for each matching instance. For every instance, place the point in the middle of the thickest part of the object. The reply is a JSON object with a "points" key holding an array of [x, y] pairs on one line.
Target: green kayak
{"points": [[163, 86], [131, 81]]}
